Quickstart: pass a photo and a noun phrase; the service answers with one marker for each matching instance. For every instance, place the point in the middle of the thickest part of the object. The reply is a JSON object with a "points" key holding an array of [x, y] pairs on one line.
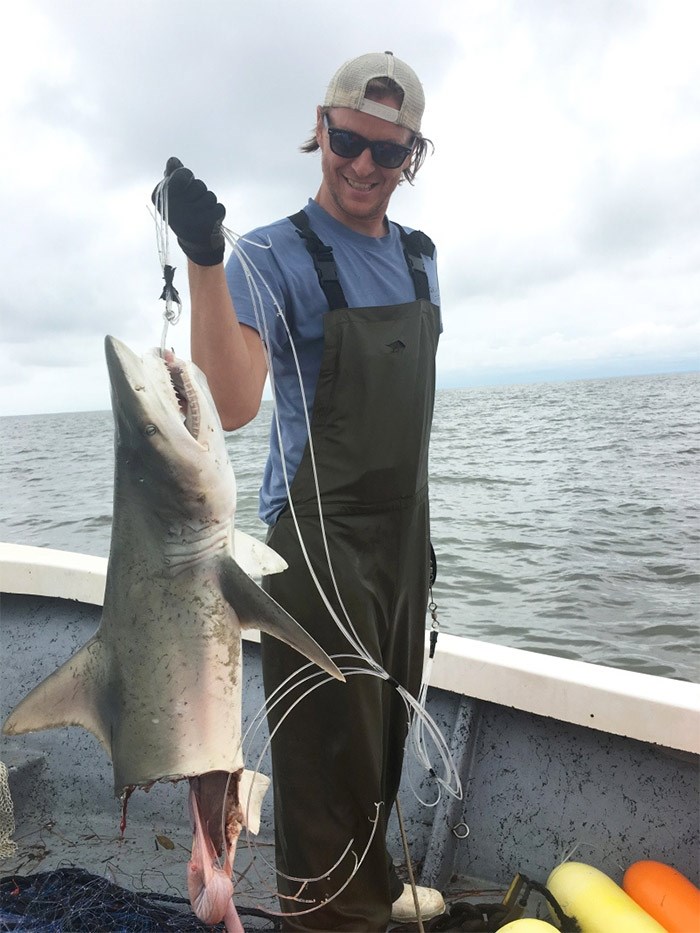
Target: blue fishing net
{"points": [[69, 900]]}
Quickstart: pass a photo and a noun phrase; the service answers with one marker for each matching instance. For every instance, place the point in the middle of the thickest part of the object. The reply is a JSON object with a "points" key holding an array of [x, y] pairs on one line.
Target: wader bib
{"points": [[339, 753]]}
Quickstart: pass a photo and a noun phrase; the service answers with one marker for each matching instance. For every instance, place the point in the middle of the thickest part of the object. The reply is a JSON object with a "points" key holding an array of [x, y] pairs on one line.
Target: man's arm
{"points": [[230, 354]]}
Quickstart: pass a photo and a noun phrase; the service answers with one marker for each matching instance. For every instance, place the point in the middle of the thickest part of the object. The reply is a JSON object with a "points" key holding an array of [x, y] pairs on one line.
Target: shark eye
{"points": [[150, 430]]}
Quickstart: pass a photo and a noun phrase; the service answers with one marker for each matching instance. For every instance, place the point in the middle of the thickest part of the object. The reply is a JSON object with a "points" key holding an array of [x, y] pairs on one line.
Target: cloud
{"points": [[651, 208], [562, 195]]}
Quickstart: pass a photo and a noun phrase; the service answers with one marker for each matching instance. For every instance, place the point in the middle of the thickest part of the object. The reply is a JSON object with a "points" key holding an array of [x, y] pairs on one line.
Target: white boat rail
{"points": [[652, 709]]}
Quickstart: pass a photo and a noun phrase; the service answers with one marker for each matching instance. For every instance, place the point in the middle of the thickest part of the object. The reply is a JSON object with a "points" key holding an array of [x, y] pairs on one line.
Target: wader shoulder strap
{"points": [[324, 263], [415, 246]]}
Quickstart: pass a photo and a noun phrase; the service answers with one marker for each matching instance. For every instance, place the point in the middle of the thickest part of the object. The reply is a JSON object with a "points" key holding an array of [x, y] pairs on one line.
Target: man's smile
{"points": [[358, 185]]}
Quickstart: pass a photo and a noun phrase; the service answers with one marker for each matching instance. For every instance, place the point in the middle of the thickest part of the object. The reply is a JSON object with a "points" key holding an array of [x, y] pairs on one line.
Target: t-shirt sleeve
{"points": [[256, 286]]}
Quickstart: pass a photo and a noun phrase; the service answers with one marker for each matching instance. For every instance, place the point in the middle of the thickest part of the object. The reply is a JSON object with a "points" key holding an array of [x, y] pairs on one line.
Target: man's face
{"points": [[356, 191]]}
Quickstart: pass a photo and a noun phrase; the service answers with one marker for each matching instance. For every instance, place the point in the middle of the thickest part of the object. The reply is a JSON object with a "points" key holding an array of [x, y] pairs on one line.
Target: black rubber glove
{"points": [[194, 215]]}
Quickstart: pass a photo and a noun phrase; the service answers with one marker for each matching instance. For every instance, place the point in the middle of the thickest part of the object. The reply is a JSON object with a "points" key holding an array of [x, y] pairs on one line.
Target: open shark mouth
{"points": [[185, 395]]}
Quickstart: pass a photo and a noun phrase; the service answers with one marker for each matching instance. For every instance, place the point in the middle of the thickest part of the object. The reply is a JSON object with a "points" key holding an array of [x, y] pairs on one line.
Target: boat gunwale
{"points": [[658, 710]]}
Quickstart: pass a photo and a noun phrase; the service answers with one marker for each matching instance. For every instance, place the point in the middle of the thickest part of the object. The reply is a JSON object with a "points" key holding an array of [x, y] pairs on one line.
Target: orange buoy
{"points": [[665, 894]]}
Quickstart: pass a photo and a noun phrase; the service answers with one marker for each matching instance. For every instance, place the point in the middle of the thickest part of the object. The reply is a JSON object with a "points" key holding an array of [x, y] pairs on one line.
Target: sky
{"points": [[563, 194]]}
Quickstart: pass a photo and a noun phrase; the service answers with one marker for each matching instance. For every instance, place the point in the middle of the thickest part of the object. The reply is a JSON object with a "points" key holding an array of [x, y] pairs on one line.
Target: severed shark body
{"points": [[159, 684]]}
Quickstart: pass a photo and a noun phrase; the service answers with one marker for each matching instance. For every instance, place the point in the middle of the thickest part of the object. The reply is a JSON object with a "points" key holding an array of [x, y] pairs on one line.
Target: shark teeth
{"points": [[186, 397]]}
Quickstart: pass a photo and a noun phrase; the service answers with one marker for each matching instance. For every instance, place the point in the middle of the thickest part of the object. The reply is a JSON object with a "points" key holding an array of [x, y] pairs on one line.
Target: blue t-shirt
{"points": [[280, 295]]}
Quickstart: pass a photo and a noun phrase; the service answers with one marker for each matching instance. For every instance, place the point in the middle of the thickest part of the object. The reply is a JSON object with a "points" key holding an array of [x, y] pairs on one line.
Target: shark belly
{"points": [[177, 709]]}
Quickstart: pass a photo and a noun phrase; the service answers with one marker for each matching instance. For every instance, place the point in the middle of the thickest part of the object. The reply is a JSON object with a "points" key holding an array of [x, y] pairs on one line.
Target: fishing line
{"points": [[173, 304], [417, 711], [171, 316], [291, 685], [415, 739], [173, 308], [604, 854], [278, 696], [326, 900], [250, 270], [304, 882]]}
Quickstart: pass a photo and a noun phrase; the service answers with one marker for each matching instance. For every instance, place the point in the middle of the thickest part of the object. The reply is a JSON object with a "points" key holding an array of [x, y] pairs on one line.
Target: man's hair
{"points": [[383, 90]]}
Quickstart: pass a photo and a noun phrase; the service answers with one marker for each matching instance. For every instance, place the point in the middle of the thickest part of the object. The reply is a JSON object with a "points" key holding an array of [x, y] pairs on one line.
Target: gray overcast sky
{"points": [[563, 195]]}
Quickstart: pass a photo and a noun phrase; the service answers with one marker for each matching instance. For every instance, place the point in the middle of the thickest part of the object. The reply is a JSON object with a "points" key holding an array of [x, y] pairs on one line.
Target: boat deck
{"points": [[67, 816], [151, 857], [557, 759]]}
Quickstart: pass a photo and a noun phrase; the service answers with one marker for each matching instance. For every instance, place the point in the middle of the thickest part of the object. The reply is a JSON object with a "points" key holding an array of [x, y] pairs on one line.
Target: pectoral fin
{"points": [[72, 696], [255, 609]]}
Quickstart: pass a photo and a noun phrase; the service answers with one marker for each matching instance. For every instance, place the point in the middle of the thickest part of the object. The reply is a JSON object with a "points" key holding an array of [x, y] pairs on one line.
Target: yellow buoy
{"points": [[526, 926], [596, 902]]}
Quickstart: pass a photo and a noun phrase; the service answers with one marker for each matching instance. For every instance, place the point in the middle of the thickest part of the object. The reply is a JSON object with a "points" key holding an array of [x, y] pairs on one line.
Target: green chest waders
{"points": [[340, 752]]}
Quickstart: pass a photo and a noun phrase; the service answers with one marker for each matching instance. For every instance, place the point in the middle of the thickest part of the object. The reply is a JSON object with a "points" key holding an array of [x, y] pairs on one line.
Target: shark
{"points": [[160, 682]]}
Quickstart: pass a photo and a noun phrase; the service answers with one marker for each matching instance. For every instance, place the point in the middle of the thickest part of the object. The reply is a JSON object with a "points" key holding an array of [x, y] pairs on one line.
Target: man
{"points": [[355, 300]]}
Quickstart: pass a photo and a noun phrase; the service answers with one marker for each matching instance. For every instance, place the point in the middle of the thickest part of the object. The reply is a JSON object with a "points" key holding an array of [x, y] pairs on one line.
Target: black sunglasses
{"points": [[349, 145]]}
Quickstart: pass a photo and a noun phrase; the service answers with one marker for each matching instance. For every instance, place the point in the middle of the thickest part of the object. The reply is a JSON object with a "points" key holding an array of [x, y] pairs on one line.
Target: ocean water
{"points": [[565, 516]]}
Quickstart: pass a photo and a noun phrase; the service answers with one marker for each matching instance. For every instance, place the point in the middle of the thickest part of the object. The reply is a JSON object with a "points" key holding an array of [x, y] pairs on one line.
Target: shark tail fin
{"points": [[71, 696]]}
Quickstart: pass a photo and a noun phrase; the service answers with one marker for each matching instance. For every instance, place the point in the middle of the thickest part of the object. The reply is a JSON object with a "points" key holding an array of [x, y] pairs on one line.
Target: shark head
{"points": [[168, 436]]}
